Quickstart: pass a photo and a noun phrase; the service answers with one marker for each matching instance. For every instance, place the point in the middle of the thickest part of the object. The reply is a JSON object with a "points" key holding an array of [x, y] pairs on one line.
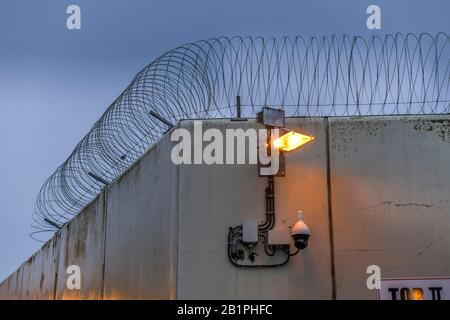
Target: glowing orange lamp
{"points": [[291, 140]]}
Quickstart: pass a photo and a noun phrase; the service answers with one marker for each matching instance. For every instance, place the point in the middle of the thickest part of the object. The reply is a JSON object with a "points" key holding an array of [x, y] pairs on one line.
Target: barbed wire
{"points": [[317, 76]]}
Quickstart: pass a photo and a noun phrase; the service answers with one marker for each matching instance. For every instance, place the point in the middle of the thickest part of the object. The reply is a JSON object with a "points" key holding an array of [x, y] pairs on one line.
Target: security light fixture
{"points": [[287, 141], [243, 240], [271, 117], [291, 140]]}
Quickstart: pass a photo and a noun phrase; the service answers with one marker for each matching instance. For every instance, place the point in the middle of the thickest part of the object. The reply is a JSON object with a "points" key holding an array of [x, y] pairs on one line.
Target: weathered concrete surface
{"points": [[216, 197], [391, 199], [160, 230], [10, 289], [39, 272], [141, 234], [83, 244]]}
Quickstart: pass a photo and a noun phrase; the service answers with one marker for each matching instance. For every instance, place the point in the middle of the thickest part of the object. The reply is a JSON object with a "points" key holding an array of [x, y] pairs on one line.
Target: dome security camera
{"points": [[300, 232]]}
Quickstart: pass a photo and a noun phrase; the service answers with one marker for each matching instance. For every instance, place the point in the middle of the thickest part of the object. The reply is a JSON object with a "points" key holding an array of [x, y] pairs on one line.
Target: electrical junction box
{"points": [[250, 231], [279, 237]]}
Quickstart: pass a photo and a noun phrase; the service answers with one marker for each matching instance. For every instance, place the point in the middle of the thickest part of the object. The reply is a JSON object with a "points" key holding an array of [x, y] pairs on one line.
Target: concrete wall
{"points": [[216, 197], [390, 183], [83, 244], [11, 287], [39, 272], [160, 230], [141, 232]]}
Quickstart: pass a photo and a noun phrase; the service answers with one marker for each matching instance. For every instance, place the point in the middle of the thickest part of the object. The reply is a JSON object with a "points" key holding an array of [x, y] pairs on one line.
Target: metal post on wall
{"points": [[238, 110]]}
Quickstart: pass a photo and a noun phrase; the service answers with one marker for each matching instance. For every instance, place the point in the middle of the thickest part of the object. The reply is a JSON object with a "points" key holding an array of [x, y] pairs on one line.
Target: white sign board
{"points": [[414, 289]]}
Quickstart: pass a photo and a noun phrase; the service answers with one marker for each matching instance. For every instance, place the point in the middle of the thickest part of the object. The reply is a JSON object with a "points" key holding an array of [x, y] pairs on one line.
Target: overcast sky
{"points": [[55, 83]]}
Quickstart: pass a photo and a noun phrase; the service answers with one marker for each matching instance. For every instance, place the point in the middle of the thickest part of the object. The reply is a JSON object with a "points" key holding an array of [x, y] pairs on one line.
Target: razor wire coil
{"points": [[317, 76]]}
